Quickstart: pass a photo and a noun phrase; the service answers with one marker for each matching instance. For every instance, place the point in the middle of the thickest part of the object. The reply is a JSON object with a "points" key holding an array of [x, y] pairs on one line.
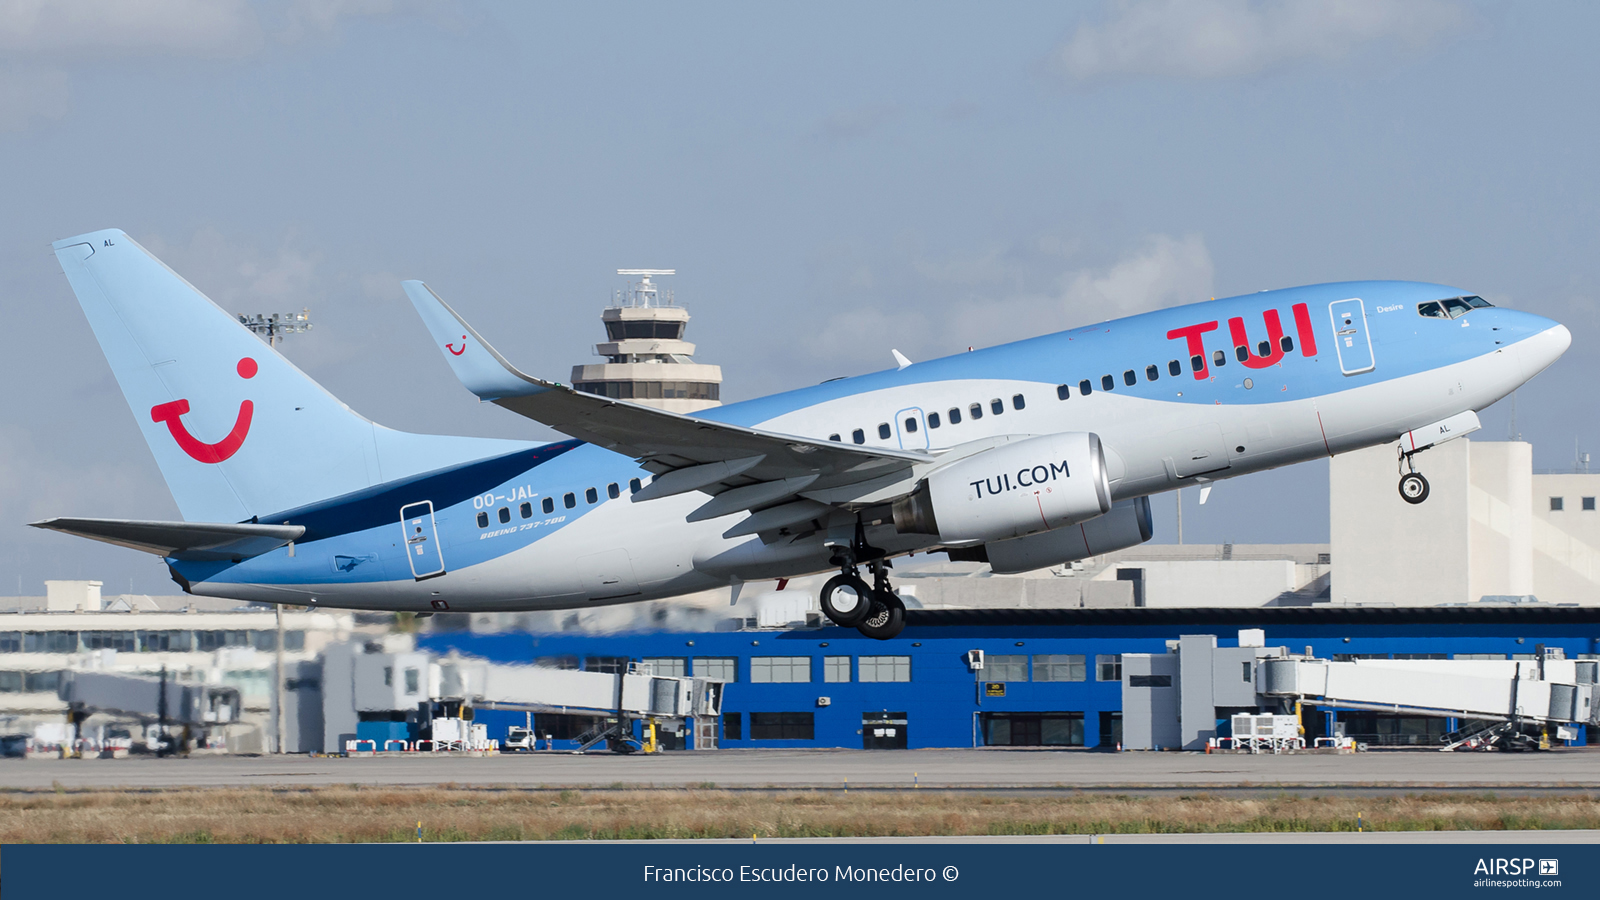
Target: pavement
{"points": [[1009, 769]]}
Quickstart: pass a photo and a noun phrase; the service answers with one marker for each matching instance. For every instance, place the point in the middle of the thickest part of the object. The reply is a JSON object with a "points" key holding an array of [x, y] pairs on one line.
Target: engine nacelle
{"points": [[1127, 525], [1010, 491]]}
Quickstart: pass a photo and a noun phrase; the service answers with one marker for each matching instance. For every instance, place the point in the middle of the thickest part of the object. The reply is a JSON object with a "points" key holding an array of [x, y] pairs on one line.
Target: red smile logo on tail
{"points": [[452, 347], [171, 413]]}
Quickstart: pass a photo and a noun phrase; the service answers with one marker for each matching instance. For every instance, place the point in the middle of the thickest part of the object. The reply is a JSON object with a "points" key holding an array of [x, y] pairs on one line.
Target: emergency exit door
{"points": [[1350, 336], [422, 540]]}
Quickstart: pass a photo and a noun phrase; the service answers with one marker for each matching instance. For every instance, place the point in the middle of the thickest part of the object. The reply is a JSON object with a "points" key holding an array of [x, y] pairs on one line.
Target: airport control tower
{"points": [[647, 359]]}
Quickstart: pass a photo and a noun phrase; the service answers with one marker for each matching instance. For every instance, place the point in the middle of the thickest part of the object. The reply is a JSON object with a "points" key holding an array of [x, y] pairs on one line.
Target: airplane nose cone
{"points": [[1545, 347]]}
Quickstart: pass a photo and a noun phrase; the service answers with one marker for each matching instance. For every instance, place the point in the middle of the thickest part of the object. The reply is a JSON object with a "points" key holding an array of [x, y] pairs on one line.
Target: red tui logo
{"points": [[172, 413], [1194, 338], [452, 347]]}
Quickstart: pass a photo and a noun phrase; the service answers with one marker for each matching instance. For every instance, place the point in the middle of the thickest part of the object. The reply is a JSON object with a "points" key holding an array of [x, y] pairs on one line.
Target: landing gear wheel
{"points": [[1413, 488], [887, 618], [846, 600]]}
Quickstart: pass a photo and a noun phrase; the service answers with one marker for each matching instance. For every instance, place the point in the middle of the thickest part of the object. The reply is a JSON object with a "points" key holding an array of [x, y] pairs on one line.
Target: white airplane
{"points": [[1024, 455]]}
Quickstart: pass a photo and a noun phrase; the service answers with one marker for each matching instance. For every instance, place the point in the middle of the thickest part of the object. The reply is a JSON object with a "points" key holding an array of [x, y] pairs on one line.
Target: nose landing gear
{"points": [[1413, 487], [847, 600]]}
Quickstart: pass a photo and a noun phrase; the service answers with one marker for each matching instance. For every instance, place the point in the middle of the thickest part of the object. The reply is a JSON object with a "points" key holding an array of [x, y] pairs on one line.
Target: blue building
{"points": [[1050, 677]]}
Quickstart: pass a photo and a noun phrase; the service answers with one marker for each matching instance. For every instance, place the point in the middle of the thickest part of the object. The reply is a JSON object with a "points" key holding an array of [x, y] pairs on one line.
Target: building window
{"points": [[265, 641], [526, 510], [858, 436], [504, 514], [1108, 667], [1004, 667], [121, 641], [781, 726], [883, 430], [294, 641], [732, 726], [1588, 504], [836, 668], [1046, 729], [884, 668], [10, 682], [955, 416], [483, 520], [413, 681], [1018, 401], [207, 641], [1063, 391], [548, 504], [975, 411], [1479, 656], [49, 642], [996, 406], [1150, 681], [11, 641], [721, 668], [933, 420], [1058, 667], [613, 491], [667, 666], [569, 500], [1556, 503], [388, 676], [1107, 382], [564, 663], [591, 496], [610, 665], [778, 670]]}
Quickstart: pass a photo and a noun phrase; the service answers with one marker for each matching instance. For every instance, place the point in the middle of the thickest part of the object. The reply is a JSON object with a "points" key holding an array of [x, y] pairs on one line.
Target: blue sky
{"points": [[831, 181]]}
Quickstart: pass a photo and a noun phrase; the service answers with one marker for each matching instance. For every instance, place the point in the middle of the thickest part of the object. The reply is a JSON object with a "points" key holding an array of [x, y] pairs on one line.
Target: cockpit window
{"points": [[1453, 308]]}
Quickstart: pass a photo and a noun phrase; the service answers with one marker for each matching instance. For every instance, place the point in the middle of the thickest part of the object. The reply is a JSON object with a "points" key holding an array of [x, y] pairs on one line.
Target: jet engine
{"points": [[1127, 525], [1010, 491]]}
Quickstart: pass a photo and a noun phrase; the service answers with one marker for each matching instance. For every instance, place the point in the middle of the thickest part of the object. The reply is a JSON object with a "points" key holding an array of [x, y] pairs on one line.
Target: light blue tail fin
{"points": [[237, 430]]}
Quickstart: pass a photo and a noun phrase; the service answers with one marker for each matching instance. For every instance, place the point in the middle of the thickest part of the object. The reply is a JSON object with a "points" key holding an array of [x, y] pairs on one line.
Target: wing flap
{"points": [[196, 541]]}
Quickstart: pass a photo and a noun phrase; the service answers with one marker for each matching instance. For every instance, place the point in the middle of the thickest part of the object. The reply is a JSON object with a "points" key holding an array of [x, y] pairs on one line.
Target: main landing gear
{"points": [[1413, 487], [847, 600]]}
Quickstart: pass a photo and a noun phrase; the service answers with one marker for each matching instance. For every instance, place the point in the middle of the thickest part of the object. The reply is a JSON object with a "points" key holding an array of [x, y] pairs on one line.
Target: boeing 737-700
{"points": [[1025, 455]]}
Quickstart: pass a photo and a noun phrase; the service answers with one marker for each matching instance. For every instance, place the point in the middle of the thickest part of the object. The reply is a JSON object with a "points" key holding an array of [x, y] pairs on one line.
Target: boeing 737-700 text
{"points": [[1025, 455]]}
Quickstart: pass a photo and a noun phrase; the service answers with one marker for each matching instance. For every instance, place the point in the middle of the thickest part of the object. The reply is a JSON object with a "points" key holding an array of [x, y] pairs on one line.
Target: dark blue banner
{"points": [[819, 870]]}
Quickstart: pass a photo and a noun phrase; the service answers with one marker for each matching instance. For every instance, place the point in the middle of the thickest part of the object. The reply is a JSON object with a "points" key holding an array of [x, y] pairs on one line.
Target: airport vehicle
{"points": [[1025, 455]]}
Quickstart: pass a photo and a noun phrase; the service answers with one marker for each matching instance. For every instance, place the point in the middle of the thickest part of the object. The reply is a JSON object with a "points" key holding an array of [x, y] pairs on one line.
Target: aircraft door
{"points": [[1351, 337], [911, 426], [422, 540]]}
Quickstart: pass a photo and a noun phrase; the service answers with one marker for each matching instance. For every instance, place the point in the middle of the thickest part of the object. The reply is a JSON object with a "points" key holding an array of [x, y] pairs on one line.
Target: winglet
{"points": [[900, 359], [481, 369]]}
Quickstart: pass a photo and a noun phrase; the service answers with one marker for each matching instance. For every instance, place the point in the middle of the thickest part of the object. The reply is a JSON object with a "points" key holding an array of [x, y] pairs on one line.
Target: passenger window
{"points": [[955, 417], [526, 509], [1107, 382], [504, 514], [1063, 391], [996, 406], [883, 430], [1264, 349], [548, 505], [833, 437], [591, 496], [1151, 373], [1197, 362], [911, 425], [1018, 402], [569, 500], [1085, 388], [1174, 367], [975, 411], [1287, 343], [1243, 352], [1431, 310], [1130, 379], [634, 485], [613, 491], [933, 420], [858, 436], [483, 520], [1219, 359]]}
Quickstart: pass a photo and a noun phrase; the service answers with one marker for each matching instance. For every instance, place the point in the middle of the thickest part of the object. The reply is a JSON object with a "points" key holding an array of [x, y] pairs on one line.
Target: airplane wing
{"points": [[181, 540], [784, 475]]}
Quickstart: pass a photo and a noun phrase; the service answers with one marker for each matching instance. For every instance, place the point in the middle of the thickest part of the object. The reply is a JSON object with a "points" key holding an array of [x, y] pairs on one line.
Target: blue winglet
{"points": [[482, 370]]}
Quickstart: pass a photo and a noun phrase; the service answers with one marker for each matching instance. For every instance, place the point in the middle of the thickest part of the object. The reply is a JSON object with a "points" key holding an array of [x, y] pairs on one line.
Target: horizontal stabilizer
{"points": [[181, 540]]}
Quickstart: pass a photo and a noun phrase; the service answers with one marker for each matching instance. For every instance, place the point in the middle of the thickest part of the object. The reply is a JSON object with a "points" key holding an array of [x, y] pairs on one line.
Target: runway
{"points": [[1380, 771]]}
